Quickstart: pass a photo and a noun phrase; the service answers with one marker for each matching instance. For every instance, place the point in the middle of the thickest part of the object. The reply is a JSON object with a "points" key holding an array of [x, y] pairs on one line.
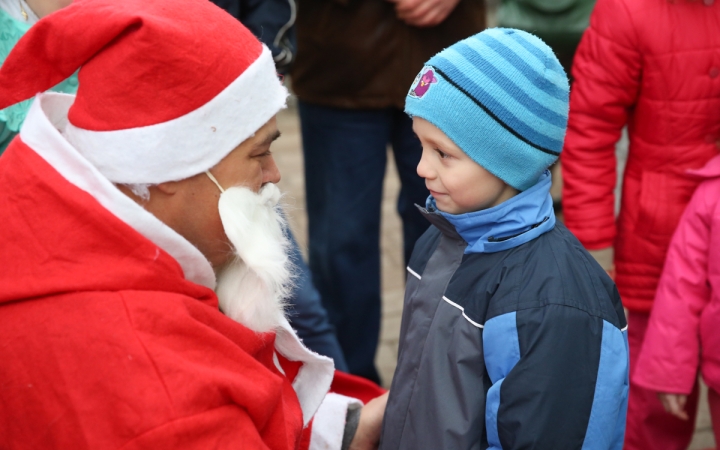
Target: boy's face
{"points": [[458, 184]]}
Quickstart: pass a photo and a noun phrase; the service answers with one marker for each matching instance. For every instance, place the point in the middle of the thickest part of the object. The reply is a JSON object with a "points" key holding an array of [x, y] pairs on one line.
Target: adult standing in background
{"points": [[356, 60], [655, 66], [273, 23]]}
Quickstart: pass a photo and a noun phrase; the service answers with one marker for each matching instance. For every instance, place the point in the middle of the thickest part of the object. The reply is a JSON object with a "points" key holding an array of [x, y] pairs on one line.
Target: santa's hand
{"points": [[367, 436], [424, 13], [674, 404]]}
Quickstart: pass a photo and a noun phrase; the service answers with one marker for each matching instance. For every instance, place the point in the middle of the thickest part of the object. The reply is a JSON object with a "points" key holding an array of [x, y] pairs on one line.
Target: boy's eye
{"points": [[441, 153]]}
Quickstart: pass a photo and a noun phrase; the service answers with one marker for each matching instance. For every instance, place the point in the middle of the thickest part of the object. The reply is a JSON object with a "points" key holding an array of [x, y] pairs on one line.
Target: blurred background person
{"points": [[307, 315], [560, 24], [683, 337], [356, 59], [652, 65], [16, 17], [273, 22]]}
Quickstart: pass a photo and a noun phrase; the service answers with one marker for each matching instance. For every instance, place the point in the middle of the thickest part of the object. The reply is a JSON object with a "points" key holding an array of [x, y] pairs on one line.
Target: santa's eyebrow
{"points": [[270, 139]]}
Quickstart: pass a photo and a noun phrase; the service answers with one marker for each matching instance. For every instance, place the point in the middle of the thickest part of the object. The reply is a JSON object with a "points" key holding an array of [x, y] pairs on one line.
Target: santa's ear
{"points": [[168, 188]]}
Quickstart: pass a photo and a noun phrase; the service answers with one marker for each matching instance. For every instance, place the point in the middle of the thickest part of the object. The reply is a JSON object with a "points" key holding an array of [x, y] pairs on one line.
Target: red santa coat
{"points": [[655, 66], [683, 334], [110, 336]]}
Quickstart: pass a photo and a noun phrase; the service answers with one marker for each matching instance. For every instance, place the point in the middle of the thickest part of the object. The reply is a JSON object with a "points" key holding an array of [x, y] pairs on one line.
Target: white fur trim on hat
{"points": [[193, 143]]}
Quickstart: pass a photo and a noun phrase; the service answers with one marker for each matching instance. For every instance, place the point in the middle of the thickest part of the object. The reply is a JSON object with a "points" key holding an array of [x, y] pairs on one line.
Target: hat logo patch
{"points": [[422, 82]]}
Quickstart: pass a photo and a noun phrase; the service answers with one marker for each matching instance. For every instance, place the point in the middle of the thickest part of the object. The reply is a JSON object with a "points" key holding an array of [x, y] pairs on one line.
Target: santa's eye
{"points": [[264, 154]]}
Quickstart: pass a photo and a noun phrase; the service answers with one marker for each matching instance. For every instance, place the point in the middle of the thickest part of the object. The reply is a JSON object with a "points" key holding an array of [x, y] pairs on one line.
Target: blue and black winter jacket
{"points": [[512, 337]]}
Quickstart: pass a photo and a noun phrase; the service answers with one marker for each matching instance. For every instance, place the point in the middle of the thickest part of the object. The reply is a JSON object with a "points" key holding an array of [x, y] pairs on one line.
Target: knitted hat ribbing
{"points": [[502, 97]]}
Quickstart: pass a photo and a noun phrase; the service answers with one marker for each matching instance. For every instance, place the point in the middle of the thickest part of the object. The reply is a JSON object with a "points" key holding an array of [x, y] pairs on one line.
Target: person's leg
{"points": [[345, 157], [407, 152], [307, 315], [714, 402], [648, 425]]}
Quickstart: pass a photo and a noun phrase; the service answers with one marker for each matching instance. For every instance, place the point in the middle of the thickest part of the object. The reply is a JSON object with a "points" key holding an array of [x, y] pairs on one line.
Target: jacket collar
{"points": [[507, 225]]}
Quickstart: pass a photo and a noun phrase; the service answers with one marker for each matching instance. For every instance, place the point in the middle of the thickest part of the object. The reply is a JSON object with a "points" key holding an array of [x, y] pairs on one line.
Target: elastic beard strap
{"points": [[214, 180]]}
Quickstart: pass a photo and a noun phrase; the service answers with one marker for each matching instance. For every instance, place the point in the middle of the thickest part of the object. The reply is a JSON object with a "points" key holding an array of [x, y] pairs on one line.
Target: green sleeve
{"points": [[6, 135]]}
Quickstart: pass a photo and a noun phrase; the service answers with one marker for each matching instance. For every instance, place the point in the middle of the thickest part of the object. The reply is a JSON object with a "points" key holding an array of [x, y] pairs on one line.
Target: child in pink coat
{"points": [[684, 331]]}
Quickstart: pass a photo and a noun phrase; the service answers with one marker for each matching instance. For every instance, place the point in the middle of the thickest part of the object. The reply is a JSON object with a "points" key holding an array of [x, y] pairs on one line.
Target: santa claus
{"points": [[144, 265]]}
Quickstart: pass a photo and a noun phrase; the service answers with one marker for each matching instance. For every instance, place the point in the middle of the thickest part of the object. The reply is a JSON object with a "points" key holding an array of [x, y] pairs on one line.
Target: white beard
{"points": [[253, 288]]}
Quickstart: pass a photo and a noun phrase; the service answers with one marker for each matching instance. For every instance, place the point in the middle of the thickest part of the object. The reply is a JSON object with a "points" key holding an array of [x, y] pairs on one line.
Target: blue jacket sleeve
{"points": [[559, 380]]}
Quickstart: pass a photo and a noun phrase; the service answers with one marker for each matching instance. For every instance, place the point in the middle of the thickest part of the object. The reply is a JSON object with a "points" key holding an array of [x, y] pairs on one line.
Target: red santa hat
{"points": [[167, 88]]}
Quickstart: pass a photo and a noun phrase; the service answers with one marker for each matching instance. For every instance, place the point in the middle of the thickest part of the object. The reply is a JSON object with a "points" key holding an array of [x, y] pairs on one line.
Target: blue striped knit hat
{"points": [[502, 97]]}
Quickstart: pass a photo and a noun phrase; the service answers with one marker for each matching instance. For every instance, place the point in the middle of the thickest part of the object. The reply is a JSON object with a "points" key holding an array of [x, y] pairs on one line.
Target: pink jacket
{"points": [[684, 330]]}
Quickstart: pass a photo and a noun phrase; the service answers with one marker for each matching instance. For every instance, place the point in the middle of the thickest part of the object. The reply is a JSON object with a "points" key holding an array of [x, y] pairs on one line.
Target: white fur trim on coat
{"points": [[314, 378], [193, 143], [329, 424]]}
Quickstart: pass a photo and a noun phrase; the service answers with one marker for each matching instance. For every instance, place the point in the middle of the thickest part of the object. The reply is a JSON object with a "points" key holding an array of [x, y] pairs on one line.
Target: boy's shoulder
{"points": [[424, 248], [553, 269]]}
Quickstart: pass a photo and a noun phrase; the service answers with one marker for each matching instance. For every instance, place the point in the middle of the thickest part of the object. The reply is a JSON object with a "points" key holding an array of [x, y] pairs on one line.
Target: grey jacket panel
{"points": [[432, 326], [447, 408]]}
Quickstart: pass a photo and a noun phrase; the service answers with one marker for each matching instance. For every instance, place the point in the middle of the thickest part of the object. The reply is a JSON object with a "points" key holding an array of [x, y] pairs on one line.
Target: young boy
{"points": [[512, 336]]}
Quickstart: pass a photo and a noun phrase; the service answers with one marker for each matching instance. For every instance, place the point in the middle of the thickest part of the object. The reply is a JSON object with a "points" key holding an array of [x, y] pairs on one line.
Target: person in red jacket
{"points": [[687, 307], [145, 267], [654, 66]]}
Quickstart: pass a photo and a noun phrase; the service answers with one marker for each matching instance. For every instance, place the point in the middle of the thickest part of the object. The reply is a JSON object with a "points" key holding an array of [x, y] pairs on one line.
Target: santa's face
{"points": [[190, 206], [251, 163], [237, 226], [253, 285]]}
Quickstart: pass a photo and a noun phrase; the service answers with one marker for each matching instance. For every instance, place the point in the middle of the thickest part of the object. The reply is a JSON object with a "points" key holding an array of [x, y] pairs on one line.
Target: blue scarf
{"points": [[507, 225]]}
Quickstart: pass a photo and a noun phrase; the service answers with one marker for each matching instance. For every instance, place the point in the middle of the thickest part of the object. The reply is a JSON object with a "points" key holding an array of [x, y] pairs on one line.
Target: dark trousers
{"points": [[345, 156], [307, 315]]}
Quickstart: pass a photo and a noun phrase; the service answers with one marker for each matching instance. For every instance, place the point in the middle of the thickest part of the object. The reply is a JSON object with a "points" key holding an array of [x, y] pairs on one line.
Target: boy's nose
{"points": [[424, 169]]}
